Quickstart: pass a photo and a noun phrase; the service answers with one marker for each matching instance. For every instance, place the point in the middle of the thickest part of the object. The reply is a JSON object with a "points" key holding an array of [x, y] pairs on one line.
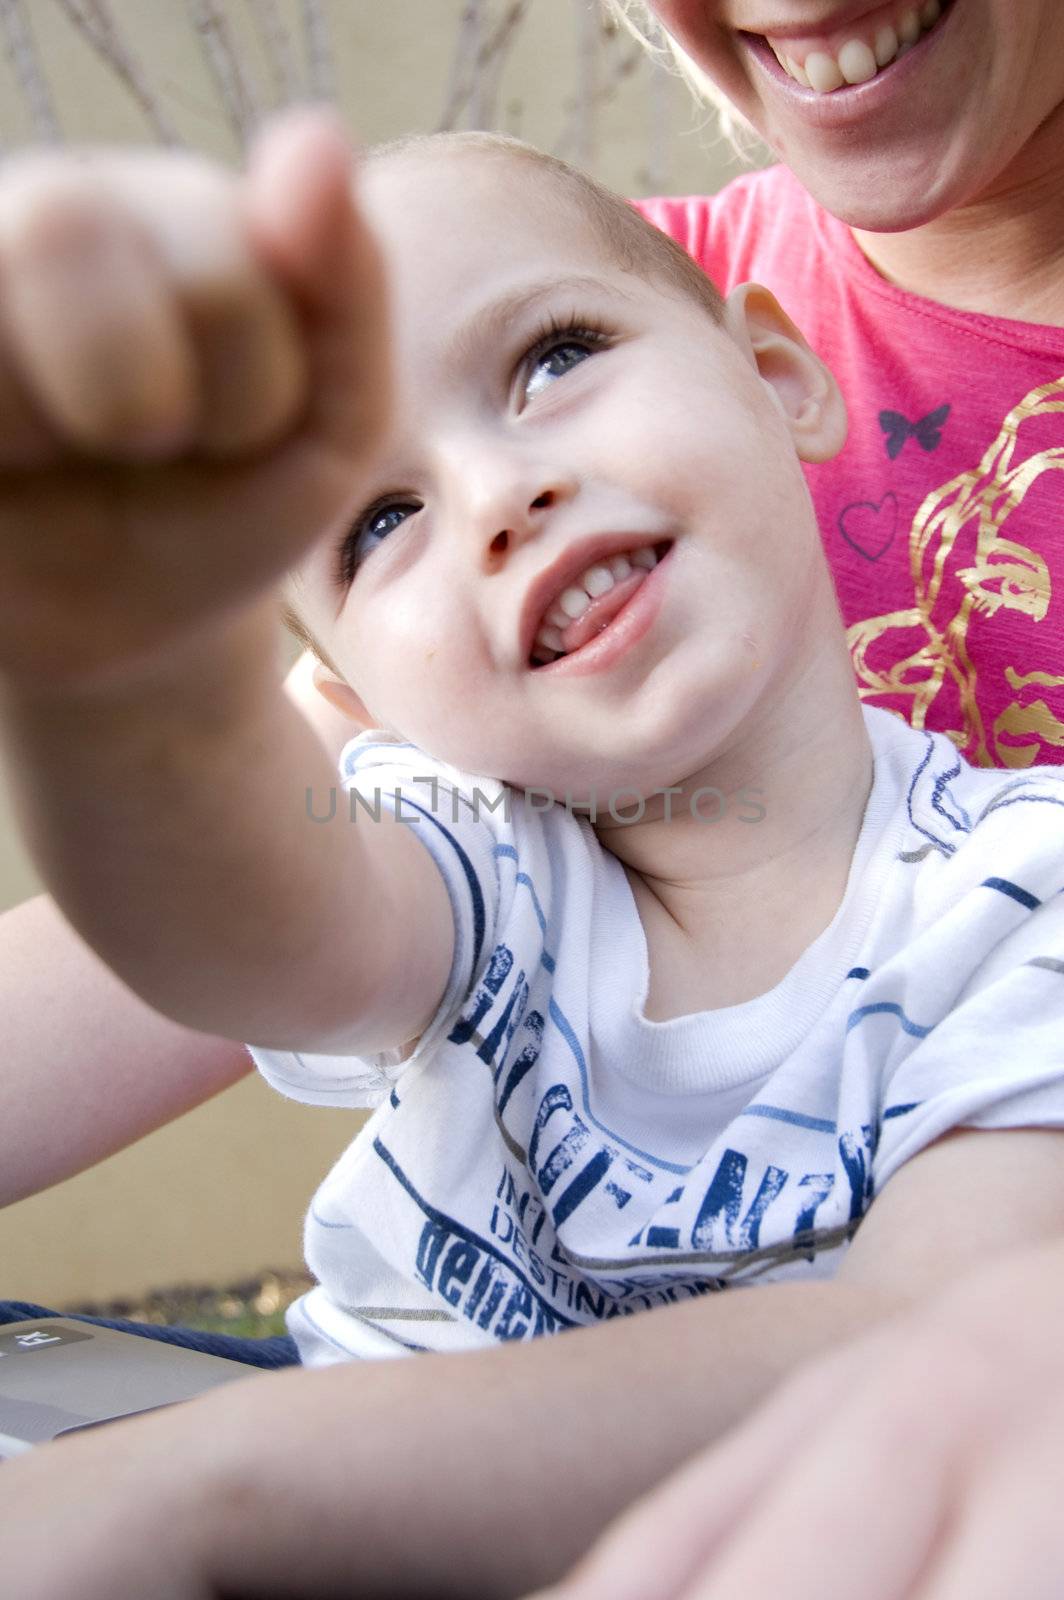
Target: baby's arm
{"points": [[175, 434], [88, 1068]]}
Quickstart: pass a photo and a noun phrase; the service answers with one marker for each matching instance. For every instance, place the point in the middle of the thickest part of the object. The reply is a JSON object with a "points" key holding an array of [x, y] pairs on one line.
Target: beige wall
{"points": [[221, 1193], [213, 1199]]}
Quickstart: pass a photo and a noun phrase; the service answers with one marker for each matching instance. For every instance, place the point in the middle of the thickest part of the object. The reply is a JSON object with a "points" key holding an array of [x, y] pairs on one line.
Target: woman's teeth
{"points": [[858, 59], [573, 601]]}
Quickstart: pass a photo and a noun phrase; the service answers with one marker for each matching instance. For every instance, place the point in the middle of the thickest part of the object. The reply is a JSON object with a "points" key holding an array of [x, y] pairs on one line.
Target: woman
{"points": [[916, 233]]}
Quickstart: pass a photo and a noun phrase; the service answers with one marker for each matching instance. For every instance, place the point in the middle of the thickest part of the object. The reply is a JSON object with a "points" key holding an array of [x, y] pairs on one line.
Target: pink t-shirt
{"points": [[943, 518]]}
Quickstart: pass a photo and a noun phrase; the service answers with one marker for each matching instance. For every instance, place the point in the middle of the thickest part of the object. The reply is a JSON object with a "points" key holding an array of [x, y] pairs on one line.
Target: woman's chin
{"points": [[881, 193]]}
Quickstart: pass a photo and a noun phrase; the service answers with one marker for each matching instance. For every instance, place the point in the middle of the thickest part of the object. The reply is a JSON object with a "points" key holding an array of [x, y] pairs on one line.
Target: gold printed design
{"points": [[1023, 721], [1046, 680], [927, 643]]}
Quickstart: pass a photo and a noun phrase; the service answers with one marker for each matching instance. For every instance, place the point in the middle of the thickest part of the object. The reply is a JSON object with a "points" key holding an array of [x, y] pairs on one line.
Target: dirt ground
{"points": [[252, 1309]]}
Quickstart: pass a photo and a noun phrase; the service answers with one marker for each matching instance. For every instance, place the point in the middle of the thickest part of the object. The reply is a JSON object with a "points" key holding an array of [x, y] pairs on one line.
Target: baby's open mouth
{"points": [[860, 51], [589, 603]]}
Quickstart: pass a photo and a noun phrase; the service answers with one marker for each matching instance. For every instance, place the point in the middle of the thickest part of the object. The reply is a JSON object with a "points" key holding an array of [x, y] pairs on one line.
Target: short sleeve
{"points": [[458, 818], [995, 1058]]}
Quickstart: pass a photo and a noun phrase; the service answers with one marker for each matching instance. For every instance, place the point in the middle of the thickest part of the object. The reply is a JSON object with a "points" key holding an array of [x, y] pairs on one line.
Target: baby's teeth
{"points": [[909, 26], [930, 12], [597, 580], [823, 72], [886, 46], [574, 602], [856, 62]]}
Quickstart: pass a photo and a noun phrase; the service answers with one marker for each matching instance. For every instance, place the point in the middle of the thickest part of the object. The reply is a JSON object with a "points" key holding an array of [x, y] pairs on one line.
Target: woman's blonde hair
{"points": [[640, 22]]}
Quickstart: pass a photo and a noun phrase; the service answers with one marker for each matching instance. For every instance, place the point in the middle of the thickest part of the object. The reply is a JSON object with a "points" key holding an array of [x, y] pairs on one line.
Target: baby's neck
{"points": [[728, 906]]}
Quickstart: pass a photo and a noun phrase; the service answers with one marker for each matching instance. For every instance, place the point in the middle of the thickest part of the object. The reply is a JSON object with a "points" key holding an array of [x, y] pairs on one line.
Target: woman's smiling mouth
{"points": [[855, 53]]}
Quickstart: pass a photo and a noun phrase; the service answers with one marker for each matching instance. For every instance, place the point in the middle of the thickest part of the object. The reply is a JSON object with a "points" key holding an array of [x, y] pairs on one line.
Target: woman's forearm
{"points": [[87, 1067], [484, 1475]]}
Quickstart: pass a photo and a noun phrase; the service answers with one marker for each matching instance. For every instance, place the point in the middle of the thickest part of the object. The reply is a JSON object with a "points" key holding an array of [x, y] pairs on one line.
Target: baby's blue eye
{"points": [[368, 532], [383, 521], [554, 362]]}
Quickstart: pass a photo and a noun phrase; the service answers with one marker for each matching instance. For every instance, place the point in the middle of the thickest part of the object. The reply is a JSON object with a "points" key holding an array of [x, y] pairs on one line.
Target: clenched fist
{"points": [[191, 363]]}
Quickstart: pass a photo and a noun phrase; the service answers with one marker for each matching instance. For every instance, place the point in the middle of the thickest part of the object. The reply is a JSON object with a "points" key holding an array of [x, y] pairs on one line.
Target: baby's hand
{"points": [[190, 364]]}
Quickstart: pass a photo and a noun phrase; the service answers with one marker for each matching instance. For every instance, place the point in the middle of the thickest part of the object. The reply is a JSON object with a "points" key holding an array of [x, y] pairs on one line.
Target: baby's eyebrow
{"points": [[490, 322]]}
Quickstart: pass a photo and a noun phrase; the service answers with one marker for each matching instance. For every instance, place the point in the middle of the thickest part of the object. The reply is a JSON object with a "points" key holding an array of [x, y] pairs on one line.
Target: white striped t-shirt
{"points": [[549, 1157]]}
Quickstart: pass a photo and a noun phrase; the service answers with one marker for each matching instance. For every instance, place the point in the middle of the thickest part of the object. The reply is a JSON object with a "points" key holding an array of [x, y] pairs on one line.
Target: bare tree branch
{"points": [[621, 69], [480, 89], [490, 53], [588, 41], [226, 67], [463, 63], [22, 49], [485, 110], [658, 142], [319, 50], [279, 49], [95, 23]]}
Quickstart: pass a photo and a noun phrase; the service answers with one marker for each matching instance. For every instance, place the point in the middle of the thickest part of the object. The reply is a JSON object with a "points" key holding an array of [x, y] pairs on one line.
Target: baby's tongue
{"points": [[601, 612]]}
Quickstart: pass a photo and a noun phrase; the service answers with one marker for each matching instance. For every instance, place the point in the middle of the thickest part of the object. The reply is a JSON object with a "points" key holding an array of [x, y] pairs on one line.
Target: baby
{"points": [[658, 956]]}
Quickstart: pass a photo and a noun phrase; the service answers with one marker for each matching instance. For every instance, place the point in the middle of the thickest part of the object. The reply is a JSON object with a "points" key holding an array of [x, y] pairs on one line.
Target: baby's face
{"points": [[937, 126], [584, 542]]}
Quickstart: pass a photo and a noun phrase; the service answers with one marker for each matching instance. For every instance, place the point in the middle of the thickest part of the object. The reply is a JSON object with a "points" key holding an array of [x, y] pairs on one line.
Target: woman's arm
{"points": [[87, 1067], [929, 1454], [481, 1475]]}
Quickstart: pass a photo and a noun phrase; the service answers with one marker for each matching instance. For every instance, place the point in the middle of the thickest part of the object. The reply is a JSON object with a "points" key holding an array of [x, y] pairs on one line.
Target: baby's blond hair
{"points": [[628, 239]]}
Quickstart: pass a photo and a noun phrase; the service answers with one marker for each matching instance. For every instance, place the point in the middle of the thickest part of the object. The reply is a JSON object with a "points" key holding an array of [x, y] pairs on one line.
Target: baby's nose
{"points": [[506, 537]]}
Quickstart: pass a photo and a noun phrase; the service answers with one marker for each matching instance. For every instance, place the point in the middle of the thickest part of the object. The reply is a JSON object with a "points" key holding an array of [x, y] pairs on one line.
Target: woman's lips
{"points": [[853, 102], [855, 50]]}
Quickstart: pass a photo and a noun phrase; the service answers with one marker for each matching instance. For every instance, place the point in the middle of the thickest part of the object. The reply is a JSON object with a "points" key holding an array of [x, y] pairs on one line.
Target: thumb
{"points": [[306, 226]]}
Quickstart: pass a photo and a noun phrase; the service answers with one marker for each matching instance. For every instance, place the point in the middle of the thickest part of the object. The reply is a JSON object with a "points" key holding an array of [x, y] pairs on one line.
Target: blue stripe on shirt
{"points": [[565, 1028], [887, 1008], [479, 918], [460, 1231], [796, 1119], [1014, 892]]}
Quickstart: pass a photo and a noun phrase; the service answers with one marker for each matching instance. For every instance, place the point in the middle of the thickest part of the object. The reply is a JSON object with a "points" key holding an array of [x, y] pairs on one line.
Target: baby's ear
{"points": [[332, 709], [342, 698], [798, 381]]}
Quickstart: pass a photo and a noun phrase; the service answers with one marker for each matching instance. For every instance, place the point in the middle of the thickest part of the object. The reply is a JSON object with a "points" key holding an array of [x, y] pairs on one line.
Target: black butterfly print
{"points": [[927, 431]]}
